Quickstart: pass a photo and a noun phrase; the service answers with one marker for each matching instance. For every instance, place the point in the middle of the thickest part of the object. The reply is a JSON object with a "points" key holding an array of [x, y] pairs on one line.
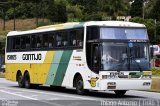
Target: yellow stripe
{"points": [[147, 73], [44, 69]]}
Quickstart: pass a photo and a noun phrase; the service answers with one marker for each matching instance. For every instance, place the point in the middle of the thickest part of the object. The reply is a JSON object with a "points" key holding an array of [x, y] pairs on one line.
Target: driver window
{"points": [[95, 57]]}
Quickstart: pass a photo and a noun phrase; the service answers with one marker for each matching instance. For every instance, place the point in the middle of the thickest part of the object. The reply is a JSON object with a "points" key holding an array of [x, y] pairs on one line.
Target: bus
{"points": [[85, 56]]}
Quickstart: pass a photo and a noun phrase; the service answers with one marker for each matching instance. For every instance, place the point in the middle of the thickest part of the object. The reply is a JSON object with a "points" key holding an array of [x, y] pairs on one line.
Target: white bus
{"points": [[96, 55]]}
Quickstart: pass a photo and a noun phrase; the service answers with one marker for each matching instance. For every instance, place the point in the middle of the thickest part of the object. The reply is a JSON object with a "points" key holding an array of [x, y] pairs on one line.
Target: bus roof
{"points": [[71, 25]]}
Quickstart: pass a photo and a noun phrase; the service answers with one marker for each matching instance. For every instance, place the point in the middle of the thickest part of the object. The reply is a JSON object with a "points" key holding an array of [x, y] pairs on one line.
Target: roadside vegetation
{"points": [[155, 80], [2, 75], [156, 71]]}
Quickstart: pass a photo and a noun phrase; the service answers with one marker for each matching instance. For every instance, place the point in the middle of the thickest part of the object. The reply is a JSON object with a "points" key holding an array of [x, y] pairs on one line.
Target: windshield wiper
{"points": [[131, 57]]}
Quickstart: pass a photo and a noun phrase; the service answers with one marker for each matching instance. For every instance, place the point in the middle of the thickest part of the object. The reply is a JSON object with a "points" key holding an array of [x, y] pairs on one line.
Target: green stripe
{"points": [[62, 68], [54, 66]]}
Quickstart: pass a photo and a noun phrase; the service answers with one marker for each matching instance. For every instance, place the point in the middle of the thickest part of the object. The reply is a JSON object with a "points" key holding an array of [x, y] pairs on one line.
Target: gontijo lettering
{"points": [[31, 56]]}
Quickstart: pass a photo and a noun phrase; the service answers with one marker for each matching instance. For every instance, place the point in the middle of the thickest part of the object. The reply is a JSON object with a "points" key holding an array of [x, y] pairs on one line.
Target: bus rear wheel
{"points": [[79, 86], [27, 81], [20, 80], [120, 92]]}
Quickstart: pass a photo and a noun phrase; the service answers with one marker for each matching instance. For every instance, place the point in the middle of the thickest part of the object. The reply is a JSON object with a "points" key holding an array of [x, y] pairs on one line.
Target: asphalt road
{"points": [[12, 95]]}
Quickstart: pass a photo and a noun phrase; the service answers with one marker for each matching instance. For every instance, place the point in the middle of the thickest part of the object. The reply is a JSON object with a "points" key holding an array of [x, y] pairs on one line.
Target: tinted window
{"points": [[72, 38], [65, 39], [36, 41], [28, 42], [92, 33], [79, 38], [76, 38], [9, 43], [51, 40], [59, 39], [23, 42], [45, 40], [16, 43]]}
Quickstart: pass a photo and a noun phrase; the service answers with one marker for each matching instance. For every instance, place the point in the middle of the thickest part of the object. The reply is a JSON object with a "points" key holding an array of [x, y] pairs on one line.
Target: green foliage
{"points": [[93, 17], [57, 11], [136, 8], [155, 11], [156, 71], [2, 75], [75, 12], [150, 24]]}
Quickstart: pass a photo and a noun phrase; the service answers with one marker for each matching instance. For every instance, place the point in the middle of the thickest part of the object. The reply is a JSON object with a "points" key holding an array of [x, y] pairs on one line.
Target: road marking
{"points": [[54, 99], [54, 104], [18, 95], [33, 95], [67, 96], [17, 92]]}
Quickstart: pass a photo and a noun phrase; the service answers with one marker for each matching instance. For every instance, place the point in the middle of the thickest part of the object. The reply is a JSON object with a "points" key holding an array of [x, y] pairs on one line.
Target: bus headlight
{"points": [[146, 76]]}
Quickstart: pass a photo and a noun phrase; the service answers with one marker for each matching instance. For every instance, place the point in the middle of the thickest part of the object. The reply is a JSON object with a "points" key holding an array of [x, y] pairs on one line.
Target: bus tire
{"points": [[20, 80], [120, 92], [27, 80], [79, 85]]}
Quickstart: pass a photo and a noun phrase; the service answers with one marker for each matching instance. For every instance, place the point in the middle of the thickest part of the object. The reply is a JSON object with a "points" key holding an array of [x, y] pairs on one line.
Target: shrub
{"points": [[156, 71]]}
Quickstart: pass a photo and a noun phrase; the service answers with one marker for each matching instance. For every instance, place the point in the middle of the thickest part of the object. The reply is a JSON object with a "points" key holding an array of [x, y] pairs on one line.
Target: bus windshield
{"points": [[121, 57]]}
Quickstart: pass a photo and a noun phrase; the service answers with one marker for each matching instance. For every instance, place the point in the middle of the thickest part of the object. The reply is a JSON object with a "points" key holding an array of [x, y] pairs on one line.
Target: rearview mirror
{"points": [[151, 52]]}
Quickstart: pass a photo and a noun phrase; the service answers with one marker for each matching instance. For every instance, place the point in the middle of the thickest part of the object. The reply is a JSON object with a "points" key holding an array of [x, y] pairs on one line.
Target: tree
{"points": [[155, 12], [114, 8], [136, 8], [57, 11], [150, 24], [74, 12], [4, 6]]}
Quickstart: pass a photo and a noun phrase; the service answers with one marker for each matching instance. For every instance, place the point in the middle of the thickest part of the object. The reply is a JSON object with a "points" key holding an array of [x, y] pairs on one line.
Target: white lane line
{"points": [[54, 104], [33, 95], [18, 92], [18, 95], [54, 99], [57, 94]]}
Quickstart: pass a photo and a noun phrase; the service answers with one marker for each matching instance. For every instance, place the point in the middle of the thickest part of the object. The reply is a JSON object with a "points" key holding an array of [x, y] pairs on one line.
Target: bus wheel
{"points": [[27, 81], [20, 80], [120, 92], [79, 85]]}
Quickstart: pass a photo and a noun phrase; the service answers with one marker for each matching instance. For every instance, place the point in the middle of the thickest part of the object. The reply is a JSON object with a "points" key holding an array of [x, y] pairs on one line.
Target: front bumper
{"points": [[123, 84]]}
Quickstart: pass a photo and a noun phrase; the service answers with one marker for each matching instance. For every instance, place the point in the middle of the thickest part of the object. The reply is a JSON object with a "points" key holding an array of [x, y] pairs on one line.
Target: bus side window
{"points": [[16, 43], [76, 38], [45, 40], [64, 39], [39, 41], [72, 38], [23, 42], [79, 38], [59, 39], [28, 42], [51, 39], [9, 44], [33, 41]]}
